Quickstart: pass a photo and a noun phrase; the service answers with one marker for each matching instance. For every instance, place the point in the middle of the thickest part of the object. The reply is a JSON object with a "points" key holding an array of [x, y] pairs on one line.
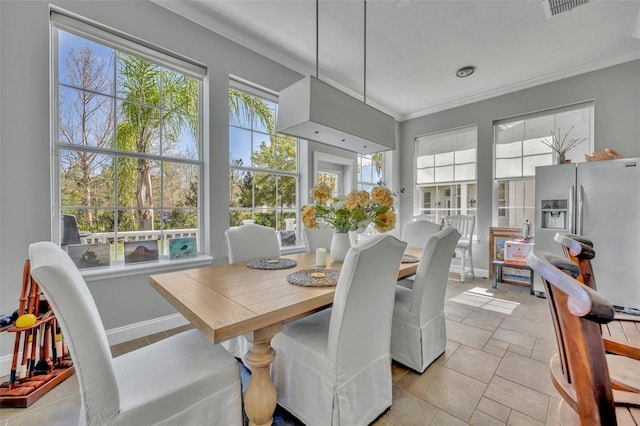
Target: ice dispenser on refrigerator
{"points": [[554, 214]]}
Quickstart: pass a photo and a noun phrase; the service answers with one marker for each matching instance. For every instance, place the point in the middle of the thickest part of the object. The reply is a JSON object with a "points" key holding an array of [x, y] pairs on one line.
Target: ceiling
{"points": [[414, 47]]}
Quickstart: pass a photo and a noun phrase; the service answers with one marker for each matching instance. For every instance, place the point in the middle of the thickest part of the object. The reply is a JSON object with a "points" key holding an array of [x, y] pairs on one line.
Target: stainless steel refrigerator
{"points": [[601, 201]]}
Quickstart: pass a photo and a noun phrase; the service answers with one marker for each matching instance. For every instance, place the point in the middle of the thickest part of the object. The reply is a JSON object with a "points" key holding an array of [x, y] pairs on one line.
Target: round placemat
{"points": [[305, 279], [409, 258], [281, 263]]}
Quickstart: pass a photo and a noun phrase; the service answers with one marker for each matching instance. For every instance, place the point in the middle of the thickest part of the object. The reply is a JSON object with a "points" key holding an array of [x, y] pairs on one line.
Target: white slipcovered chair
{"points": [[465, 226], [182, 379], [333, 367], [417, 233], [247, 242], [427, 217], [418, 334], [318, 237], [251, 241]]}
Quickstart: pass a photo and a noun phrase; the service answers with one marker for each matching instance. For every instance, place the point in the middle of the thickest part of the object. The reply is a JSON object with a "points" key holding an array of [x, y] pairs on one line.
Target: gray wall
{"points": [[615, 90], [25, 212]]}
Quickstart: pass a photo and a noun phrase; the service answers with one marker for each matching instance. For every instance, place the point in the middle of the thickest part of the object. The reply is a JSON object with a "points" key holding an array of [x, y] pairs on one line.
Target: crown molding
{"points": [[548, 78], [187, 11]]}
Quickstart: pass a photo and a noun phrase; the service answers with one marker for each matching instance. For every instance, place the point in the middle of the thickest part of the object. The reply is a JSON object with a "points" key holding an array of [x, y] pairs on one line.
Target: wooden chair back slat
{"points": [[580, 371]]}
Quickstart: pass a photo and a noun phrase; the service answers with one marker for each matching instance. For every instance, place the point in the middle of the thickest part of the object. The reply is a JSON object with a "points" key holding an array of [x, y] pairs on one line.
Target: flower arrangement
{"points": [[352, 212], [561, 147]]}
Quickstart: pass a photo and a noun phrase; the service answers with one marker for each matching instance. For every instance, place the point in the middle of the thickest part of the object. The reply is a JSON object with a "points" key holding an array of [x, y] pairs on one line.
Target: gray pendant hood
{"points": [[312, 109]]}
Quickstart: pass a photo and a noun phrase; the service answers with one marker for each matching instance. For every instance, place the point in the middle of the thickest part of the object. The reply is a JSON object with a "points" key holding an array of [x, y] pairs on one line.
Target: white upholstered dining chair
{"points": [[182, 379], [318, 237], [246, 242], [418, 333], [417, 233], [251, 241], [333, 367], [465, 226]]}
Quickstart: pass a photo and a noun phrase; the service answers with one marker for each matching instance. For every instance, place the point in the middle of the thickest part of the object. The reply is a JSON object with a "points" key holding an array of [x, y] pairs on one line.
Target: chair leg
{"points": [[462, 271], [473, 273]]}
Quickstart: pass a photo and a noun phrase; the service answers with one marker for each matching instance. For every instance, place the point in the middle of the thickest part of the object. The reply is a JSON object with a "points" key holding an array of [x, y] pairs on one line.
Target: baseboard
{"points": [[145, 328], [120, 334]]}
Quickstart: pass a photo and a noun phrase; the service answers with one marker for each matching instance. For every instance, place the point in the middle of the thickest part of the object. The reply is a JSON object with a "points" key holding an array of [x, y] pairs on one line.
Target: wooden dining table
{"points": [[229, 300]]}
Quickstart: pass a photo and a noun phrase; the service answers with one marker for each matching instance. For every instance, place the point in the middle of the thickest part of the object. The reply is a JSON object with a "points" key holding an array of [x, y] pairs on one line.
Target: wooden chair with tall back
{"points": [[624, 366], [580, 370], [465, 226], [334, 367], [183, 379], [621, 335]]}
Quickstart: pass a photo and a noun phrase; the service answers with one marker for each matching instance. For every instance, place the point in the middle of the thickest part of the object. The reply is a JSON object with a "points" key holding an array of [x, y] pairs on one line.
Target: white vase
{"points": [[340, 245]]}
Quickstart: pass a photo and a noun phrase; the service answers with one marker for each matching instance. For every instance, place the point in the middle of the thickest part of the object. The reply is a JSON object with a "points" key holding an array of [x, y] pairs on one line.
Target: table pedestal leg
{"points": [[260, 398]]}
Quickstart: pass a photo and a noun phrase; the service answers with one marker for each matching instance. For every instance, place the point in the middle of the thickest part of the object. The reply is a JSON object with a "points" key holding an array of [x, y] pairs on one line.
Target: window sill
{"points": [[144, 268]]}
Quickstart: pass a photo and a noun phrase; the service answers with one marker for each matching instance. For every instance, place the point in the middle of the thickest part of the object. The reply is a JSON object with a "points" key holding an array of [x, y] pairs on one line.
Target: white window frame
{"points": [[438, 185], [525, 179], [71, 23], [261, 92], [367, 184]]}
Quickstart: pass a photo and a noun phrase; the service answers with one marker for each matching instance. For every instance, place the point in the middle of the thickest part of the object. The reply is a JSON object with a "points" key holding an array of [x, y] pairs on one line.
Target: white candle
{"points": [[321, 256]]}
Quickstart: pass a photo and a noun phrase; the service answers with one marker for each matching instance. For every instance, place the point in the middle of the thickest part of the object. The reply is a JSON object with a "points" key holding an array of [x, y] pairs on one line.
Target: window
{"points": [[446, 172], [519, 150], [370, 170], [335, 170], [263, 165], [332, 179], [127, 139]]}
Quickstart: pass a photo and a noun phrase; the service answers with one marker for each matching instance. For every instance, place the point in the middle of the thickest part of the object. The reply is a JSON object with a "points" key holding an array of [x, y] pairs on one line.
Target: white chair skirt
{"points": [[304, 379], [413, 344], [238, 347], [158, 384]]}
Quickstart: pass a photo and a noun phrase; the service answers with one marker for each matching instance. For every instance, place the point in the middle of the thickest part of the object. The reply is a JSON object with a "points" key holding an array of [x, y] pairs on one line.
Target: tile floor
{"points": [[494, 371]]}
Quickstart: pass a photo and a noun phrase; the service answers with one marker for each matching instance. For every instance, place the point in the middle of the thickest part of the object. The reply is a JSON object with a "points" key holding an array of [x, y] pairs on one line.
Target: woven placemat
{"points": [[281, 263], [305, 279], [409, 258]]}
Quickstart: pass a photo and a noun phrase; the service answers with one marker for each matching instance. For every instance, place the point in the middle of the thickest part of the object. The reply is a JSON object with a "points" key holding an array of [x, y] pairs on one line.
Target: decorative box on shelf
{"points": [[516, 252]]}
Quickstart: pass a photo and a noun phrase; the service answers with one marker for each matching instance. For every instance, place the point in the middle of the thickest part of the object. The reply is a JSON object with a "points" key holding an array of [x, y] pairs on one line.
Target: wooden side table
{"points": [[497, 275]]}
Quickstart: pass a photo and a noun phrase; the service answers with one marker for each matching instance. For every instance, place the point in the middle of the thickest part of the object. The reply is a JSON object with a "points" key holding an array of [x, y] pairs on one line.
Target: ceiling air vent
{"points": [[555, 7]]}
